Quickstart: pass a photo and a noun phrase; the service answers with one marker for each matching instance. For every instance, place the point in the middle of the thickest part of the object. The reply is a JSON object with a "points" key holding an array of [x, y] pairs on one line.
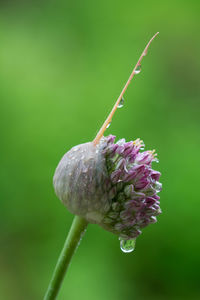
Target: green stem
{"points": [[73, 239]]}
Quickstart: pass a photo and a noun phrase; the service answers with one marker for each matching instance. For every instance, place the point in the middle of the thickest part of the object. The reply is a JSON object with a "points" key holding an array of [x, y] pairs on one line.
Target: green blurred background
{"points": [[62, 66]]}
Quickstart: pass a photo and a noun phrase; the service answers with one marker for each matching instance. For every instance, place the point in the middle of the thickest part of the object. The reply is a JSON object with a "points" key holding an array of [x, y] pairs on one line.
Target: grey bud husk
{"points": [[81, 182]]}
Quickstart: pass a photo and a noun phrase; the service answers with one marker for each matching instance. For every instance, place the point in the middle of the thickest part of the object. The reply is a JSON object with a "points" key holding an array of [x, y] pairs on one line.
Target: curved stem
{"points": [[75, 234]]}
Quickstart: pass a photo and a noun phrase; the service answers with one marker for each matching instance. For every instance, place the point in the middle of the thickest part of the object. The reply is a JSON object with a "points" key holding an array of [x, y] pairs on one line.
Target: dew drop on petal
{"points": [[121, 103], [158, 186], [142, 146], [138, 69], [127, 246], [156, 159]]}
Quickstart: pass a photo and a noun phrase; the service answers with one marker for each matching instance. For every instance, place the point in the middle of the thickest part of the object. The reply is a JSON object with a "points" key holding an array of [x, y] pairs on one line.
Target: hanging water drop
{"points": [[121, 103], [127, 246], [108, 125], [138, 69]]}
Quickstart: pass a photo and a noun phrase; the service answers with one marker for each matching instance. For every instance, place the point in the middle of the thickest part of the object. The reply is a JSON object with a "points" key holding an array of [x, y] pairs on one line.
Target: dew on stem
{"points": [[121, 103], [138, 69]]}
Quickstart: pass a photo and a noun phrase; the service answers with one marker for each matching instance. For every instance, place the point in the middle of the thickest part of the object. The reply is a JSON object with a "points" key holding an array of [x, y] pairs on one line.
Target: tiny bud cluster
{"points": [[135, 186]]}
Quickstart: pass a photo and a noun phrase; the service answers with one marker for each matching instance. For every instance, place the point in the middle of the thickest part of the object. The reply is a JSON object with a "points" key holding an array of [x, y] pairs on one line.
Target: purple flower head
{"points": [[111, 184], [135, 203]]}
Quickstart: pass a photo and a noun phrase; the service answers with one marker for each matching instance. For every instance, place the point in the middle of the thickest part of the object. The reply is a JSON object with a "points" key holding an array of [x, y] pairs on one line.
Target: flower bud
{"points": [[111, 184]]}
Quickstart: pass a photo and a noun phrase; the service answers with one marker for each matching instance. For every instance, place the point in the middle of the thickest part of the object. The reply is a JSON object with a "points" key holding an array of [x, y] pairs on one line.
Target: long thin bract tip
{"points": [[136, 70]]}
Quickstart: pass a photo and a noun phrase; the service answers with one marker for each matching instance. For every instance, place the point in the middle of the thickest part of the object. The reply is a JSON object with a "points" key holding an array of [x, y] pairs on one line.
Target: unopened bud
{"points": [[110, 184]]}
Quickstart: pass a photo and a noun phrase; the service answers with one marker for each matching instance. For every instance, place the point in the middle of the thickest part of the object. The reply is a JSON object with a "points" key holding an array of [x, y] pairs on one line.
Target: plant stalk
{"points": [[75, 234]]}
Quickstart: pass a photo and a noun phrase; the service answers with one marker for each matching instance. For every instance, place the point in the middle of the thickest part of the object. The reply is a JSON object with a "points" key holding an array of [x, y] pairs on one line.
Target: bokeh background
{"points": [[62, 66]]}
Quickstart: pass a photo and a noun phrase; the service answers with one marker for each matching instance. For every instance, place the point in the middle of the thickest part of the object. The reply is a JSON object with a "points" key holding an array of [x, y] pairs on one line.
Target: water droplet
{"points": [[142, 146], [138, 69], [108, 125], [158, 186], [121, 103], [145, 52], [156, 159], [74, 149], [127, 246]]}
